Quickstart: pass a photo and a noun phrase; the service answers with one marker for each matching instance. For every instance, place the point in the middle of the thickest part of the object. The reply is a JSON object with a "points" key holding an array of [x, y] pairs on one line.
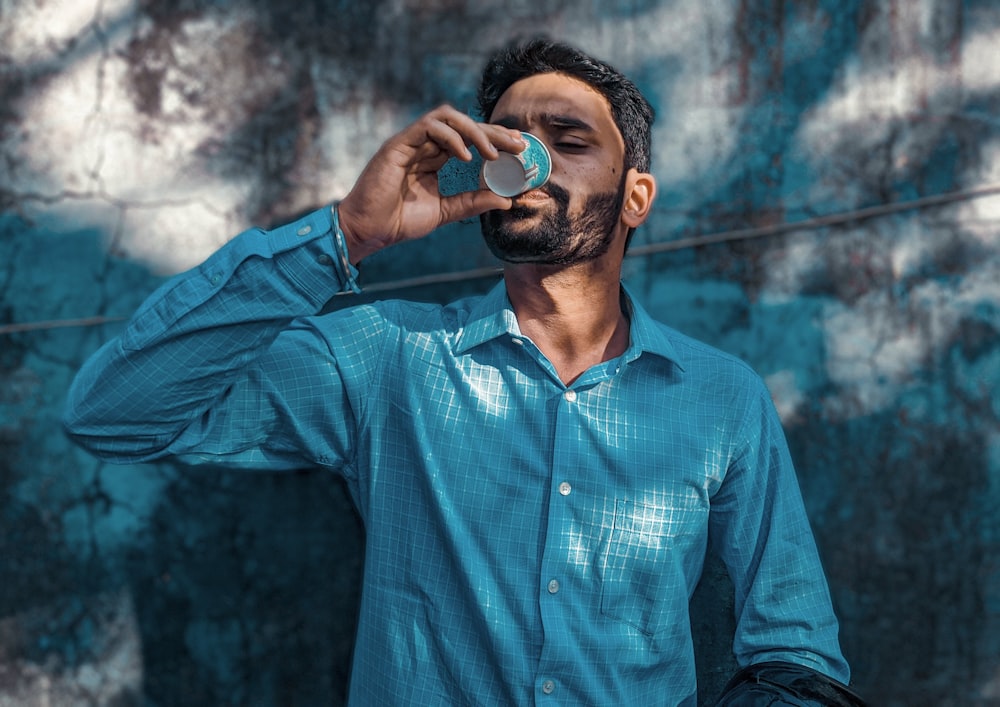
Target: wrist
{"points": [[345, 260], [357, 248]]}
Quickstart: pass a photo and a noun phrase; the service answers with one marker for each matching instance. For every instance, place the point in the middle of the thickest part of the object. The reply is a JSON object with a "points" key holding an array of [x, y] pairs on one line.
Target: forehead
{"points": [[534, 99]]}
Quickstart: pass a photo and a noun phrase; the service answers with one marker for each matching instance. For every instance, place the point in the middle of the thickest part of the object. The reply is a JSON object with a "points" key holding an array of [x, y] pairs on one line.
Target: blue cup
{"points": [[510, 175]]}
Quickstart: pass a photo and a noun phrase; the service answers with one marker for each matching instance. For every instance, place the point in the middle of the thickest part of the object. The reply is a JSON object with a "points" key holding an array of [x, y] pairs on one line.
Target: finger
{"points": [[447, 141], [449, 123], [501, 138], [454, 132]]}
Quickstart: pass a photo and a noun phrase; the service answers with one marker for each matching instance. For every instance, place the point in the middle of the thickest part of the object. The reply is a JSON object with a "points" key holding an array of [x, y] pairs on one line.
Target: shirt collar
{"points": [[646, 335], [492, 316]]}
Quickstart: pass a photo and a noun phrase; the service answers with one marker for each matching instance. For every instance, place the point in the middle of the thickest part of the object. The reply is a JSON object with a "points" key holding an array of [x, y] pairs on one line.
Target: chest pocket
{"points": [[643, 583]]}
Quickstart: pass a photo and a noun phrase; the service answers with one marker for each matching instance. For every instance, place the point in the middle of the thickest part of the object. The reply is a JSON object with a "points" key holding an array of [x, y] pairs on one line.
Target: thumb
{"points": [[472, 203]]}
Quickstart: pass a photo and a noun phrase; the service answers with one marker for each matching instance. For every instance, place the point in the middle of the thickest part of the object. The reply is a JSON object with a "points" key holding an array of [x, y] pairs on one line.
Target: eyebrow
{"points": [[556, 120]]}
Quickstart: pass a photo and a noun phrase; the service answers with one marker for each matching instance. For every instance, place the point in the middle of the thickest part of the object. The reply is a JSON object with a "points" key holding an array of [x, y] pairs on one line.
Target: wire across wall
{"points": [[729, 236]]}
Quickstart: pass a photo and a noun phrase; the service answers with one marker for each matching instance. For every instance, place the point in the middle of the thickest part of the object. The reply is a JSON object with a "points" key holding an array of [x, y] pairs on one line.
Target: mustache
{"points": [[555, 192], [550, 189]]}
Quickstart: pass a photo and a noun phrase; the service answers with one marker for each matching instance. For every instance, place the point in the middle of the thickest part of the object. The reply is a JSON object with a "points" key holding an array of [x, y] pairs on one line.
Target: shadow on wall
{"points": [[920, 572], [241, 590], [124, 585], [248, 589]]}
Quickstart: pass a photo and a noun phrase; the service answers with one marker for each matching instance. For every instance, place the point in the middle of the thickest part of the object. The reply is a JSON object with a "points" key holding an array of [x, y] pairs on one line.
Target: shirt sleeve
{"points": [[759, 526], [223, 364]]}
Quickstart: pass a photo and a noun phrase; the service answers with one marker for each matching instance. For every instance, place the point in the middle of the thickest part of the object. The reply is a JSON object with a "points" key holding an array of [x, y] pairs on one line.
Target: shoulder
{"points": [[709, 373], [700, 359], [692, 360]]}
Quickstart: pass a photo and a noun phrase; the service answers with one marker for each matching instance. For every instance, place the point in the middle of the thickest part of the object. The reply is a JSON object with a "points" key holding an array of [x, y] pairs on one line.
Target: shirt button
{"points": [[570, 396], [519, 342], [548, 687], [565, 488], [553, 586], [305, 230], [324, 259]]}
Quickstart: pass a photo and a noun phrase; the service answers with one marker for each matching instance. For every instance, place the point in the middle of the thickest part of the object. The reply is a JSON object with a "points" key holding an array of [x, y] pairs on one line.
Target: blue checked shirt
{"points": [[527, 542]]}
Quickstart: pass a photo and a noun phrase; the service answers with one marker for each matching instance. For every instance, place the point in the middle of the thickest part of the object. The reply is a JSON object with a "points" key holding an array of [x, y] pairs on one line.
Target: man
{"points": [[539, 470]]}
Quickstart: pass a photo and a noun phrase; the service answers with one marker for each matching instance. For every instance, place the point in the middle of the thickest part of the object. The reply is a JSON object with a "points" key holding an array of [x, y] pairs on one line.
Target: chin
{"points": [[522, 211]]}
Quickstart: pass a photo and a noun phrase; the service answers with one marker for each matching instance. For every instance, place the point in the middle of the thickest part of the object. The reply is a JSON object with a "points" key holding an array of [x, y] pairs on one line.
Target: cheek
{"points": [[589, 183], [581, 172]]}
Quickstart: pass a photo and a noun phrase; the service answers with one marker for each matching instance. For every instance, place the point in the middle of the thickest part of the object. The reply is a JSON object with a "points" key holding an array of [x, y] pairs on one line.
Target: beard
{"points": [[558, 239]]}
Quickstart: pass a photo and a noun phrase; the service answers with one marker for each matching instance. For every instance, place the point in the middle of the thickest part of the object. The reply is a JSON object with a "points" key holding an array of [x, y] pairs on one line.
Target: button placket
{"points": [[558, 571]]}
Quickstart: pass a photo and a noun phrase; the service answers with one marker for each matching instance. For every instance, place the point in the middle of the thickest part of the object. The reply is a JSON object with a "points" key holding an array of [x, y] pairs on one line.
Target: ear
{"points": [[640, 190]]}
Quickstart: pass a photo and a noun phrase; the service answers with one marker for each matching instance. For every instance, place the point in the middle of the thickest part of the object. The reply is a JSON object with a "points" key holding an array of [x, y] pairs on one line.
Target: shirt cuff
{"points": [[306, 252]]}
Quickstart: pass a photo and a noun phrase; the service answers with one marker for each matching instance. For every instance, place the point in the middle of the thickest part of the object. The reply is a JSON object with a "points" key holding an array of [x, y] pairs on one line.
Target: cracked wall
{"points": [[138, 135]]}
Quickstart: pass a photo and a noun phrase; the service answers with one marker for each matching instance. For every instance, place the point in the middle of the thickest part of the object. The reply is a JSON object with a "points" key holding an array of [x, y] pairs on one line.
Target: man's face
{"points": [[575, 216]]}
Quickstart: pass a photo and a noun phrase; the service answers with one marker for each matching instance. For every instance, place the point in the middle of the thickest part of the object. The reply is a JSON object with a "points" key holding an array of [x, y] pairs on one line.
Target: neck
{"points": [[573, 314]]}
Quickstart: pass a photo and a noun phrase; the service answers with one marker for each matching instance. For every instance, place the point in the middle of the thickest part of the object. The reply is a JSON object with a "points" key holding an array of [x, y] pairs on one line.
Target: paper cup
{"points": [[510, 175]]}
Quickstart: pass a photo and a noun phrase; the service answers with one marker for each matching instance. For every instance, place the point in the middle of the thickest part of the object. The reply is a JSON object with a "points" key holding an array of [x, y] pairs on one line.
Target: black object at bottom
{"points": [[780, 684]]}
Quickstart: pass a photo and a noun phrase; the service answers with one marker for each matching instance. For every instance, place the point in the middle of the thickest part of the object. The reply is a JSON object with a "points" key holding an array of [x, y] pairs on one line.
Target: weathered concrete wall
{"points": [[138, 136]]}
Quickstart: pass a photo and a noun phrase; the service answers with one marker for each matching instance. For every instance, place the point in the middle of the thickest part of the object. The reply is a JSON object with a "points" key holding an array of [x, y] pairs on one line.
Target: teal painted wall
{"points": [[806, 143]]}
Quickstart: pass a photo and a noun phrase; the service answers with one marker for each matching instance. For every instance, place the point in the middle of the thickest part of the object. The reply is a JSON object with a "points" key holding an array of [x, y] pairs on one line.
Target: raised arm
{"points": [[222, 363], [396, 197]]}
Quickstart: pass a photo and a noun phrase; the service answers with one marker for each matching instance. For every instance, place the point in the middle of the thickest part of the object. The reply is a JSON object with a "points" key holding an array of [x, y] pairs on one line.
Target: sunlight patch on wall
{"points": [[143, 170], [39, 31], [884, 93], [693, 135], [991, 690], [877, 347], [981, 217], [791, 269], [787, 395], [906, 310], [979, 61], [870, 353], [349, 136], [105, 666]]}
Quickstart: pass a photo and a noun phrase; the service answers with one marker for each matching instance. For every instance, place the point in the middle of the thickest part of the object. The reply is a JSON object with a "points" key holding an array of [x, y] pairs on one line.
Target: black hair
{"points": [[631, 112]]}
